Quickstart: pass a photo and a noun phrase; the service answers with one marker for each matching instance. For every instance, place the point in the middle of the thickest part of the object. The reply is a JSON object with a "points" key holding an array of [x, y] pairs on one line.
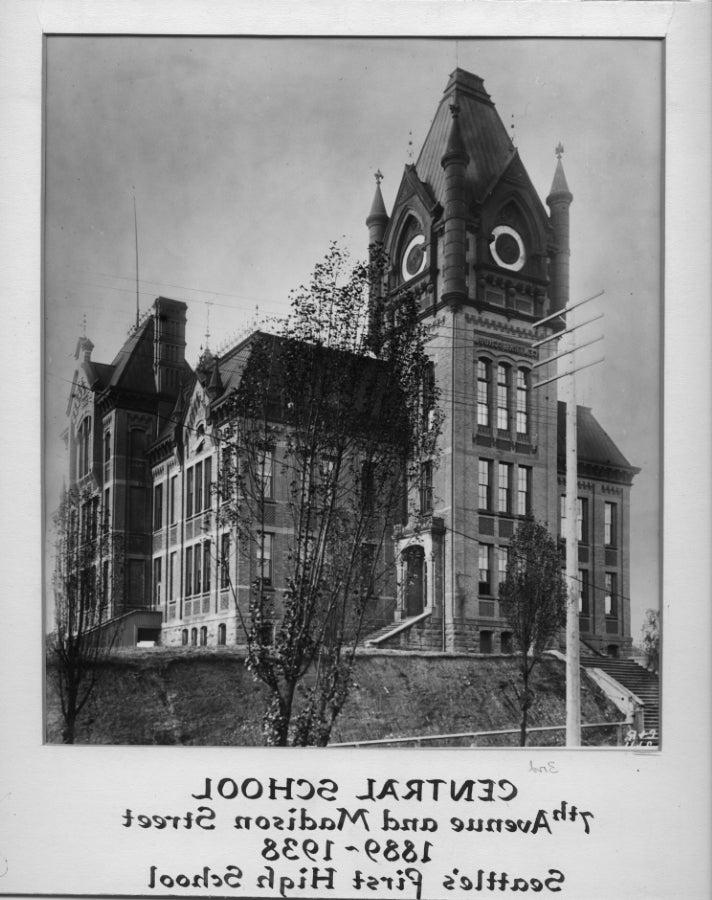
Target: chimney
{"points": [[169, 318]]}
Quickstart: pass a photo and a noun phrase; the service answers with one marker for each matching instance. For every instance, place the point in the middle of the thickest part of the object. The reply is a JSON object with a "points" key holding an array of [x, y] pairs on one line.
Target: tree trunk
{"points": [[526, 702]]}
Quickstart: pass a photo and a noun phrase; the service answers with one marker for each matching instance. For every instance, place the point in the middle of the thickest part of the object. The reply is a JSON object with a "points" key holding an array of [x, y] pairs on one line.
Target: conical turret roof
{"points": [[479, 129], [378, 207]]}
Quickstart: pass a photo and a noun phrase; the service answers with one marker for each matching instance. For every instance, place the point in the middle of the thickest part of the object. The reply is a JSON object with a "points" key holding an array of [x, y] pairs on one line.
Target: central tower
{"points": [[470, 237]]}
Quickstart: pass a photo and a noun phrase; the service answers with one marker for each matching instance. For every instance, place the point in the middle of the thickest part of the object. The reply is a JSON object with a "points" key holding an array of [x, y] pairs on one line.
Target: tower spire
{"points": [[454, 161], [559, 201]]}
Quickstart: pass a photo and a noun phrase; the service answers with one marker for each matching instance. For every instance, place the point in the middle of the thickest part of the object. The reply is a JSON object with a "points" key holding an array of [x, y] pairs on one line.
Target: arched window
{"points": [[222, 634], [203, 636], [522, 401], [184, 637], [193, 636], [502, 397], [484, 376]]}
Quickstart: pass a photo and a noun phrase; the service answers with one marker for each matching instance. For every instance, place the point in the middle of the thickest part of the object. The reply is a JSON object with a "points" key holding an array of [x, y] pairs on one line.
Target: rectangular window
{"points": [[207, 479], [483, 391], [198, 487], [225, 560], [172, 500], [522, 401], [188, 571], [484, 495], [485, 568], [172, 576], [197, 559], [502, 397], [206, 566], [524, 490], [504, 477], [582, 520], [502, 560], [610, 595], [610, 518], [264, 557], [584, 609], [158, 507], [428, 394], [157, 572], [94, 517], [107, 510], [105, 581], [189, 494], [426, 487], [266, 474]]}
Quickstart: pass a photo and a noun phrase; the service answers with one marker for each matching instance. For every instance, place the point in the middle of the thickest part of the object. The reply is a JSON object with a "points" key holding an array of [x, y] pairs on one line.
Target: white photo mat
{"points": [[62, 809]]}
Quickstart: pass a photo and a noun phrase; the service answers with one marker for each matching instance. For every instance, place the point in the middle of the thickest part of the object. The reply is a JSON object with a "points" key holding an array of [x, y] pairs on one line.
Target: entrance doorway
{"points": [[414, 558]]}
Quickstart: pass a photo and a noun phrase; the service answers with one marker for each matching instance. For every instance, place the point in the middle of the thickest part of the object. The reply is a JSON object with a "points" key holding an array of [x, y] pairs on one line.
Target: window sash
{"points": [[189, 572], [484, 567], [158, 507], [189, 493], [207, 478], [610, 596], [483, 489], [524, 490], [225, 561], [522, 417], [504, 475], [264, 557], [426, 487], [502, 397], [206, 566], [610, 524], [198, 487], [197, 560], [483, 389]]}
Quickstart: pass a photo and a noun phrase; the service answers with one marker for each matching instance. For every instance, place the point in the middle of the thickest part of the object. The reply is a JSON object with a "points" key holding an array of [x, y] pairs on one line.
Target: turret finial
{"points": [[378, 175], [559, 150]]}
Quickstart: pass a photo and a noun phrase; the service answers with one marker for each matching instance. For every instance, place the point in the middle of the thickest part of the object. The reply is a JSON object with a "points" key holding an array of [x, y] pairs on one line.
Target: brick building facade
{"points": [[470, 236]]}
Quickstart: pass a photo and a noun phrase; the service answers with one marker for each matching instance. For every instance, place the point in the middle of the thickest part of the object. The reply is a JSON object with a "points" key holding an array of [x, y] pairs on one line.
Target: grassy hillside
{"points": [[207, 697]]}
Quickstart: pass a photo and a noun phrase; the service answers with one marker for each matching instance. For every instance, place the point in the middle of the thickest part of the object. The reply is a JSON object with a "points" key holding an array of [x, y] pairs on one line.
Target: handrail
{"points": [[472, 734]]}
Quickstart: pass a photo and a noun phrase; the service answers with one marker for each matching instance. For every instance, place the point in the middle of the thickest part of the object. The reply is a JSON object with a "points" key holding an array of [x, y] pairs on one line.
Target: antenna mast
{"points": [[136, 245]]}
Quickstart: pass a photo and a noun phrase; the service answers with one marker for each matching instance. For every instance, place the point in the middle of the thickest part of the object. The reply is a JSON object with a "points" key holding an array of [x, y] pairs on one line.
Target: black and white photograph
{"points": [[315, 314], [356, 497]]}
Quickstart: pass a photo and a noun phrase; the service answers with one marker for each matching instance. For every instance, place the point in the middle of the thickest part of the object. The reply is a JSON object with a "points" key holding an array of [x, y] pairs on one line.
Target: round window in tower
{"points": [[507, 248], [414, 257]]}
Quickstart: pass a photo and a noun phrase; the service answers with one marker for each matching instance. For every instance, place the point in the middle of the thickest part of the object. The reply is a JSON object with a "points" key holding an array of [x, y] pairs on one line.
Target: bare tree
{"points": [[650, 631], [82, 585], [534, 598], [339, 433]]}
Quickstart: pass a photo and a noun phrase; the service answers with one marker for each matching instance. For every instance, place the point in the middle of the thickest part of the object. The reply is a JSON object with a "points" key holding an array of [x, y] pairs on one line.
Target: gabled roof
{"points": [[483, 134], [595, 447]]}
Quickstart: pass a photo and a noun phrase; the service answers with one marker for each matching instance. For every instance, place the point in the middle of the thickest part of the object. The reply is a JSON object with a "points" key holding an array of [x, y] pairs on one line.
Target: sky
{"points": [[247, 157]]}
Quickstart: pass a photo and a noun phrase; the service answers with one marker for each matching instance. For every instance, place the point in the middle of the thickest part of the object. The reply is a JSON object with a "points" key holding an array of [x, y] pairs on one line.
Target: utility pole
{"points": [[568, 377]]}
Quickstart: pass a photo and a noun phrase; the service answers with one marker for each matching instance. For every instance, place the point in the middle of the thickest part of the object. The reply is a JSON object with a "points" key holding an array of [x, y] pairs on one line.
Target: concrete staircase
{"points": [[635, 678]]}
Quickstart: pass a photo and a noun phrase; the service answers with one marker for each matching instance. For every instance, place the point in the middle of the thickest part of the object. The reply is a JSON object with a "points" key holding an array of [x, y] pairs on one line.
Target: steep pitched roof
{"points": [[595, 447], [483, 135]]}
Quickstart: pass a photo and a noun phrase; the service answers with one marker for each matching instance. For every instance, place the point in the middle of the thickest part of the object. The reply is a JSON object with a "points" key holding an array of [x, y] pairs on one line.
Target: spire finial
{"points": [[559, 150], [84, 325], [378, 175], [208, 304]]}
